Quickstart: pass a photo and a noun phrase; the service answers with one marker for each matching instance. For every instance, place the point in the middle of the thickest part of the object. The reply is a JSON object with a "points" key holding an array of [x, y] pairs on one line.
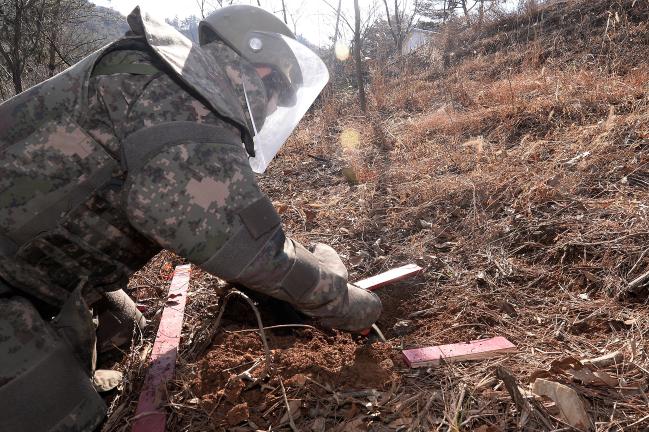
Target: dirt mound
{"points": [[305, 359]]}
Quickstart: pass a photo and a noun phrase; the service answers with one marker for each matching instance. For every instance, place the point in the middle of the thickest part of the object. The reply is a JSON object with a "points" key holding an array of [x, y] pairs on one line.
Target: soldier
{"points": [[148, 143]]}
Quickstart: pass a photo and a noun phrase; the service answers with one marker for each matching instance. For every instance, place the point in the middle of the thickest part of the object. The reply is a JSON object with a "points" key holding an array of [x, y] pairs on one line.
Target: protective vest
{"points": [[62, 220]]}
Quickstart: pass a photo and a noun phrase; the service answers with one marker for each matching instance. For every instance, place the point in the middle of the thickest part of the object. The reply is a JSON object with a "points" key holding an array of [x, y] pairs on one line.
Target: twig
{"points": [[523, 405], [379, 333], [642, 420], [279, 326], [458, 409], [291, 422], [211, 331], [638, 282]]}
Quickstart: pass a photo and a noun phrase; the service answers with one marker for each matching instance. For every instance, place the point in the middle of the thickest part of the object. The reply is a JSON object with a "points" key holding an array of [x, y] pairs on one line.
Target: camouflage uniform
{"points": [[137, 148]]}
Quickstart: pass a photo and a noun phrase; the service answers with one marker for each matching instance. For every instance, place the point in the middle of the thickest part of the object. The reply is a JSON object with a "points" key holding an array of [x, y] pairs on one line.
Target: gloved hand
{"points": [[359, 308]]}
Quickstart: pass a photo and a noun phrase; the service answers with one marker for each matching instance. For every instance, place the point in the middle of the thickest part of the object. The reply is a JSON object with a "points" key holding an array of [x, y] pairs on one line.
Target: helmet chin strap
{"points": [[249, 144]]}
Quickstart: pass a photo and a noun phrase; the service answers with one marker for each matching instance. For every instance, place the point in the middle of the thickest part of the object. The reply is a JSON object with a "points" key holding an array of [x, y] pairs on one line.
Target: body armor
{"points": [[61, 203]]}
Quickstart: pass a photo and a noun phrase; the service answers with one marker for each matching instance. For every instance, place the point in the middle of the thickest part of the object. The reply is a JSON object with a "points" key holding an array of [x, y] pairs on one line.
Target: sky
{"points": [[312, 19]]}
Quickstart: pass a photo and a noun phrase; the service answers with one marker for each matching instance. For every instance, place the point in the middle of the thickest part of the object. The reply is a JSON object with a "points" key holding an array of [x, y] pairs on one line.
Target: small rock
{"points": [[238, 413], [106, 380], [297, 380], [402, 327]]}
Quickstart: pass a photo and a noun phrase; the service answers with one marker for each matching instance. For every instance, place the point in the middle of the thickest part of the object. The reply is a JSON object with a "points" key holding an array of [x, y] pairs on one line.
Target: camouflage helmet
{"points": [[292, 74]]}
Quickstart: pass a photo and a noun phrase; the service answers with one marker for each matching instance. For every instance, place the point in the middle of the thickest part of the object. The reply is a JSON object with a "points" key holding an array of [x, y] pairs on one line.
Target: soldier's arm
{"points": [[198, 197], [201, 201]]}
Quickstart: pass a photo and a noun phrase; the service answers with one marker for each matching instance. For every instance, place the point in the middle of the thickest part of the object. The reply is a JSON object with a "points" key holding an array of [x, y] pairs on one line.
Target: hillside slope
{"points": [[512, 163]]}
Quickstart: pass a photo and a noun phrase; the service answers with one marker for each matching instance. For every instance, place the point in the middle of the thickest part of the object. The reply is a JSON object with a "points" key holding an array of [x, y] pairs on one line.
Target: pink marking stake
{"points": [[150, 412], [475, 350], [386, 278]]}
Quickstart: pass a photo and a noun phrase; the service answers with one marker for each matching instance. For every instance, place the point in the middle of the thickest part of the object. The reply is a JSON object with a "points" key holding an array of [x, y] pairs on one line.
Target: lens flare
{"points": [[342, 51], [350, 140]]}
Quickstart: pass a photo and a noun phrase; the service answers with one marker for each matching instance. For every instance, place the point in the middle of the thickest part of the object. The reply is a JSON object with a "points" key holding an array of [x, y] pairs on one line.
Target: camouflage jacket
{"points": [[154, 159]]}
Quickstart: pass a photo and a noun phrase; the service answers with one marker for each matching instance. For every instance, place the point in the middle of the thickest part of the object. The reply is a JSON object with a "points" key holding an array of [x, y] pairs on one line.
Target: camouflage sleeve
{"points": [[202, 201]]}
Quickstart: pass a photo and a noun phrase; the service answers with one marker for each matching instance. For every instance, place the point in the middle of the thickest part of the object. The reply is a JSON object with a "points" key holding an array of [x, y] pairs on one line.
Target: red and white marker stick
{"points": [[150, 414]]}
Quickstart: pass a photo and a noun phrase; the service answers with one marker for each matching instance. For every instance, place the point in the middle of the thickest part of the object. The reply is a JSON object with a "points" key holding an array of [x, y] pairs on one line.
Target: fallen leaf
{"points": [[571, 406], [425, 224], [405, 421], [318, 425], [280, 207], [356, 425], [508, 308], [293, 405]]}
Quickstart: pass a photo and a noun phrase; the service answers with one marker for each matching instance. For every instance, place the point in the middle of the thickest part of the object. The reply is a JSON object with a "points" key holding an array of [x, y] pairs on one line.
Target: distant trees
{"points": [[39, 38], [442, 10], [187, 26]]}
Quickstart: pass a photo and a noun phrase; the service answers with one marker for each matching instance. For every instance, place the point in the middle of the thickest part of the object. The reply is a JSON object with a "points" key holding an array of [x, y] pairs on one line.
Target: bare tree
{"points": [[442, 10], [400, 20], [357, 56], [39, 38], [20, 28], [66, 38]]}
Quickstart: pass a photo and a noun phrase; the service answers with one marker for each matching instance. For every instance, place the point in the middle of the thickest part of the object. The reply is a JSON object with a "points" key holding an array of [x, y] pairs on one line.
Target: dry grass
{"points": [[517, 176]]}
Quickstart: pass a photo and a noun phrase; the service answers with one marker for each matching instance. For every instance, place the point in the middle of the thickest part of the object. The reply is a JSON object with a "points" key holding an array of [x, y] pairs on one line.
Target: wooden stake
{"points": [[388, 277], [475, 350], [150, 415]]}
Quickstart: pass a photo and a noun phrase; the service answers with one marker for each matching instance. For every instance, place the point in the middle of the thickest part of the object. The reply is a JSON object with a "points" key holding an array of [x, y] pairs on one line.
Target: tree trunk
{"points": [[16, 66], [54, 37], [357, 56], [332, 66], [466, 11], [17, 81], [398, 30], [284, 12]]}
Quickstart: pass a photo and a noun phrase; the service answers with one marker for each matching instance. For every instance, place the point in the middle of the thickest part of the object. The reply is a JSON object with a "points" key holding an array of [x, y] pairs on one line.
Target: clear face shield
{"points": [[292, 83]]}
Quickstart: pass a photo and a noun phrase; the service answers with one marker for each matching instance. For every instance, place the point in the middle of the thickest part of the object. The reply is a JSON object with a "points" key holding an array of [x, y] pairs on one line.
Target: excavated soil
{"points": [[334, 362]]}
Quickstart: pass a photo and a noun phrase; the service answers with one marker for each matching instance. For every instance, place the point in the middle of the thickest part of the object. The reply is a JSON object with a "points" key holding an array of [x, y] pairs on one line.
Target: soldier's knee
{"points": [[42, 385], [119, 320]]}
